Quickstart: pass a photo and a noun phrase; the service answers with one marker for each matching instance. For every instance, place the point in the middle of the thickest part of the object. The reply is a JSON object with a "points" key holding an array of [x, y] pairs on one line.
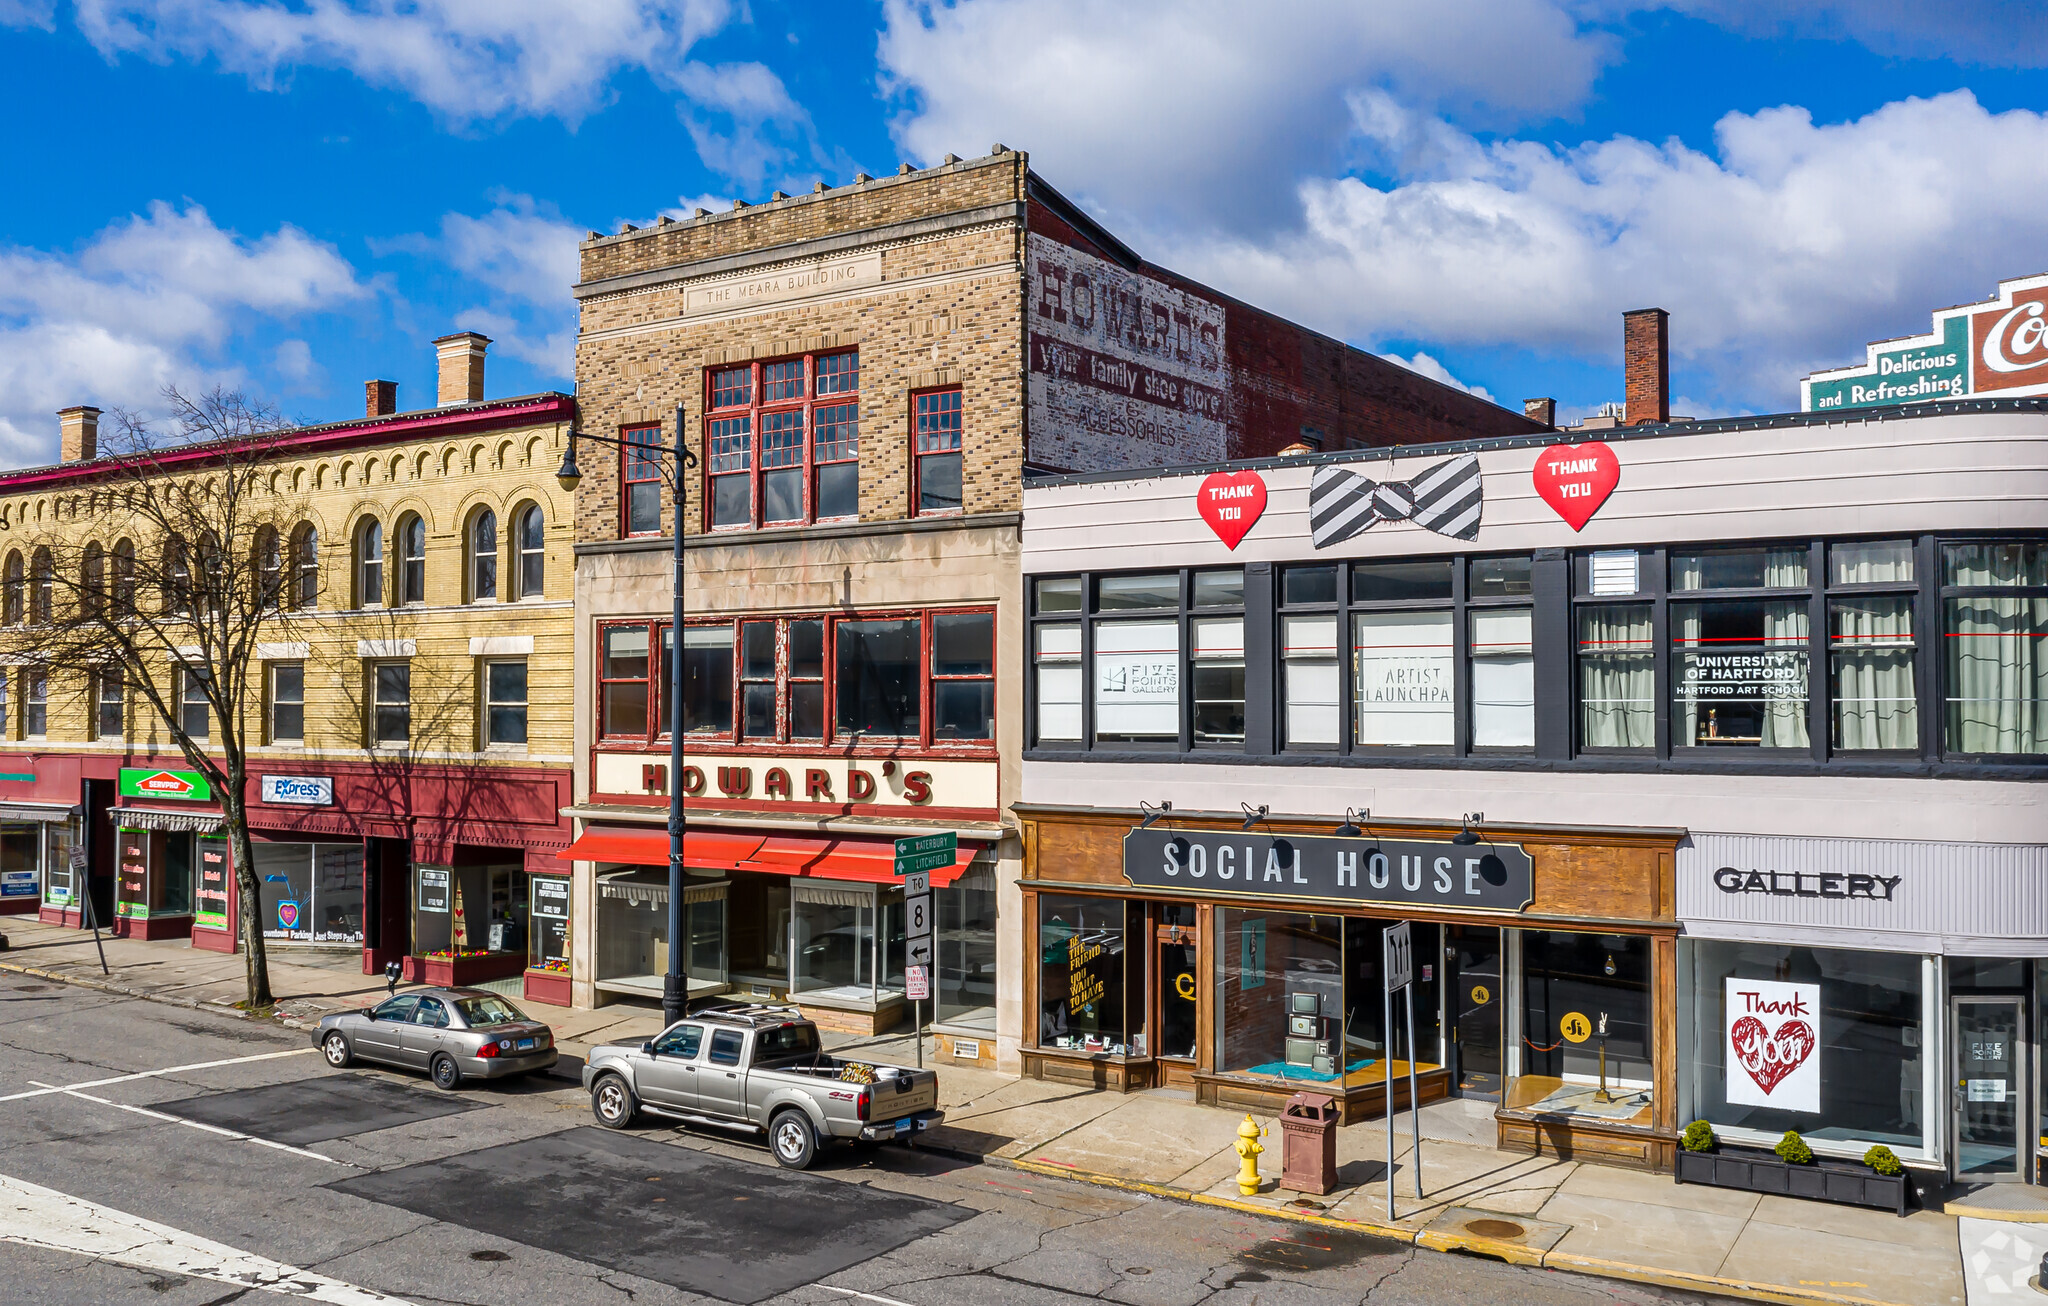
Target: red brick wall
{"points": [[1646, 365]]}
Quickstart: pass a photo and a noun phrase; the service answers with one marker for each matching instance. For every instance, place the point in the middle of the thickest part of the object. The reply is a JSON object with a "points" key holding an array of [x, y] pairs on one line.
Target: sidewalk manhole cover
{"points": [[1495, 1228]]}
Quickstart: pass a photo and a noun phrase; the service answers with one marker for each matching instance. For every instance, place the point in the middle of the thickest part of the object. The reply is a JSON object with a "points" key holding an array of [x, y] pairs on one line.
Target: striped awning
{"points": [[154, 818]]}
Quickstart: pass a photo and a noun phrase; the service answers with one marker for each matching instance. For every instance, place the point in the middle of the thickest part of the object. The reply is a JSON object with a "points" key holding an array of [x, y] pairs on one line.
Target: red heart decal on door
{"points": [[1230, 502], [1770, 1057], [1575, 479]]}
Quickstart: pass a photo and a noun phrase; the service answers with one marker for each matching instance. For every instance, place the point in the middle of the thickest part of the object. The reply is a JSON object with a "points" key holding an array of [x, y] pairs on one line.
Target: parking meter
{"points": [[392, 970]]}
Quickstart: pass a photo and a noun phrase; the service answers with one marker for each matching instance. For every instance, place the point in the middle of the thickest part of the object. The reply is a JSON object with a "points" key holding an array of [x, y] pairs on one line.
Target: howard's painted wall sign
{"points": [[1802, 884], [299, 790], [1999, 346], [1489, 877], [152, 782]]}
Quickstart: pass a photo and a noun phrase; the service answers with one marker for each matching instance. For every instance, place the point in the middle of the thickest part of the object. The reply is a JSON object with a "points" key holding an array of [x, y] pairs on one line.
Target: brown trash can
{"points": [[1308, 1157]]}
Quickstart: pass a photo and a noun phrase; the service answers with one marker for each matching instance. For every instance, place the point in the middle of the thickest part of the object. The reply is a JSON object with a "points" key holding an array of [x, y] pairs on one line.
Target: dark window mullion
{"points": [[1820, 681], [1347, 721], [1087, 652], [1929, 644], [1187, 662], [1660, 639], [1461, 662]]}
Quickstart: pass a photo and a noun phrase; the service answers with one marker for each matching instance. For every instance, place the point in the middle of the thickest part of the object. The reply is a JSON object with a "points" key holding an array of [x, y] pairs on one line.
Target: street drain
{"points": [[1495, 1228], [490, 1254]]}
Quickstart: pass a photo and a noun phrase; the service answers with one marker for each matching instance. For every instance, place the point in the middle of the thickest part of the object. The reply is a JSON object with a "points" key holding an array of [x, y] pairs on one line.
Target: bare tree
{"points": [[173, 566]]}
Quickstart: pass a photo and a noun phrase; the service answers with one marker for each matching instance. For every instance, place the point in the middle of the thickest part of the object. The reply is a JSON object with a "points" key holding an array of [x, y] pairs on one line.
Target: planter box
{"points": [[1824, 1181], [551, 987], [456, 972]]}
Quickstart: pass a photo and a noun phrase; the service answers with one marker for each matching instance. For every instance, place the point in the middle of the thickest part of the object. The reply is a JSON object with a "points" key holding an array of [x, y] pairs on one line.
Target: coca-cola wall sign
{"points": [[1998, 347]]}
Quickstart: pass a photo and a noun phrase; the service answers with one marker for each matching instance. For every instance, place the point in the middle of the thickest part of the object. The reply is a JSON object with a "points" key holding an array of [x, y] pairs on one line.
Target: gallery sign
{"points": [[1772, 1048], [1330, 868], [1997, 347]]}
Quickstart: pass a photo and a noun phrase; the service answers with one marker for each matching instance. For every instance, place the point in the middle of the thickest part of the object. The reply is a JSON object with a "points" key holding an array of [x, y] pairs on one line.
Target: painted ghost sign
{"points": [[1117, 359], [1997, 347]]}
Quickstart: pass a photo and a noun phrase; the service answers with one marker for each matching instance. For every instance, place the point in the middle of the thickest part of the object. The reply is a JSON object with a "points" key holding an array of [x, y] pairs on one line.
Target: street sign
{"points": [[918, 952], [1400, 957], [917, 915], [917, 882], [917, 983], [927, 852]]}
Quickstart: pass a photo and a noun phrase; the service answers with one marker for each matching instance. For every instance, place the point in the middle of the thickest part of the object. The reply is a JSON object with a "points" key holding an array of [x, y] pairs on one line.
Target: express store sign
{"points": [[1997, 347]]}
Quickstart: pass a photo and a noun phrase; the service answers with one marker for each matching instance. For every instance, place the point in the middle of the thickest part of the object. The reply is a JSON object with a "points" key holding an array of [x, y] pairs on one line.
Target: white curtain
{"points": [[1617, 679], [1059, 682], [1883, 562], [1875, 704], [1785, 635], [1503, 679], [1308, 649], [1998, 675]]}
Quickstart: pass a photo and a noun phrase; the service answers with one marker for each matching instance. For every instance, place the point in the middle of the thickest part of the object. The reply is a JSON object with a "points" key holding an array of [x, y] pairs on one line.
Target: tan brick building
{"points": [[413, 735], [865, 375]]}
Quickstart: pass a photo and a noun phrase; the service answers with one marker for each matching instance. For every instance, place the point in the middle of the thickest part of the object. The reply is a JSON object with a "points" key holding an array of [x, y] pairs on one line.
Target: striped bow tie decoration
{"points": [[1445, 499]]}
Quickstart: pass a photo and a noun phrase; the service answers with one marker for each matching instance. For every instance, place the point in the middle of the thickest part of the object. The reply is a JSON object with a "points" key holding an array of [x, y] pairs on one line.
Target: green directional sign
{"points": [[927, 852]]}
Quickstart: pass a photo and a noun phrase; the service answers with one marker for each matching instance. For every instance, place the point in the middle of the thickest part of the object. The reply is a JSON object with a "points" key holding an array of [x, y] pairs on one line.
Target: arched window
{"points": [[177, 578], [306, 566], [269, 570], [124, 578], [412, 560], [207, 573], [39, 578], [529, 536], [483, 556], [14, 605], [93, 578], [370, 564]]}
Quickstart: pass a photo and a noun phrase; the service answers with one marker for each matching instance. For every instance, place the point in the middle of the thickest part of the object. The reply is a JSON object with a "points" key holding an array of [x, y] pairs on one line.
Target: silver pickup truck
{"points": [[762, 1068]]}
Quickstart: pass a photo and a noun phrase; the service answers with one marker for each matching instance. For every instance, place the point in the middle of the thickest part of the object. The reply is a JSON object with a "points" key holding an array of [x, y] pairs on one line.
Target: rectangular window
{"points": [[1997, 646], [1739, 673], [876, 670], [1871, 655], [782, 466], [1571, 982], [287, 702], [1137, 681], [1498, 578], [505, 702], [623, 677], [1057, 594], [391, 703], [1396, 582], [782, 381], [1617, 677], [640, 470], [807, 680], [1087, 1003], [732, 479], [963, 676], [1724, 569], [1503, 678], [35, 704], [1308, 586], [838, 374], [732, 387], [757, 680], [707, 681], [193, 711], [783, 441], [938, 433], [1402, 678], [1056, 650], [1217, 678], [1309, 678], [835, 448], [110, 699]]}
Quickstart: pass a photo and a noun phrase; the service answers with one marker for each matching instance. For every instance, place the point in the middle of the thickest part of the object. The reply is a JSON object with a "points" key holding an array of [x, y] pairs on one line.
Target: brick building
{"points": [[412, 754], [866, 375]]}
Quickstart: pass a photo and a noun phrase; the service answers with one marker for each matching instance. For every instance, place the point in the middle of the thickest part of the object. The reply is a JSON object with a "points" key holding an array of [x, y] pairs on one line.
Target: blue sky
{"points": [[296, 195]]}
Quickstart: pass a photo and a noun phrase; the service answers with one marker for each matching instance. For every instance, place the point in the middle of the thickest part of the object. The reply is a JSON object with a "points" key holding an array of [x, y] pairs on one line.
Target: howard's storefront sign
{"points": [[835, 783], [1482, 877], [1998, 347]]}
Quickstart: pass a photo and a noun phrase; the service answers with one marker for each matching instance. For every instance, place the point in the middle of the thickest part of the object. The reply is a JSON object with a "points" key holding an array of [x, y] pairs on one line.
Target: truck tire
{"points": [[793, 1140], [613, 1103]]}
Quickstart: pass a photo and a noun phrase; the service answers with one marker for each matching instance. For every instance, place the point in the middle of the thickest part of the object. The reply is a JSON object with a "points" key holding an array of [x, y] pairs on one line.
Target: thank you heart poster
{"points": [[1773, 1044]]}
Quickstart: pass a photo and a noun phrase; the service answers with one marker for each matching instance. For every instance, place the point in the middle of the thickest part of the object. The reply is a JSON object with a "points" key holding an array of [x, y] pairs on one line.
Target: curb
{"points": [[128, 991], [1469, 1244]]}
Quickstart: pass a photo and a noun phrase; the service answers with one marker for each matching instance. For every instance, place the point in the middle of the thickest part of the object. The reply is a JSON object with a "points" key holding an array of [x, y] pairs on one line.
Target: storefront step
{"points": [[1580, 1140]]}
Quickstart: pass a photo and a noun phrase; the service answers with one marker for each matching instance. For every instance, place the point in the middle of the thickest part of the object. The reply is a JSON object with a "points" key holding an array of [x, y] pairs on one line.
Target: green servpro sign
{"points": [[1916, 371], [152, 782]]}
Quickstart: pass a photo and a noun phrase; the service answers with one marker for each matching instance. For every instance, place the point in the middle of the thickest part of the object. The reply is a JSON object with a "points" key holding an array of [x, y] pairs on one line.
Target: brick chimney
{"points": [[380, 398], [462, 368], [1646, 366], [1543, 412], [80, 439]]}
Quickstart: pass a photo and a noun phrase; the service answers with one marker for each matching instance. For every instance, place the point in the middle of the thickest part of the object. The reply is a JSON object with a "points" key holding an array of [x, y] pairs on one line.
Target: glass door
{"points": [[1179, 974], [1989, 1090], [1477, 997]]}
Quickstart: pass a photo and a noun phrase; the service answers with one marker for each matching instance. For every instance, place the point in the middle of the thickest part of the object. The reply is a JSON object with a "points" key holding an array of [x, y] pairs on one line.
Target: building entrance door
{"points": [[1179, 982], [1987, 1088], [1477, 996]]}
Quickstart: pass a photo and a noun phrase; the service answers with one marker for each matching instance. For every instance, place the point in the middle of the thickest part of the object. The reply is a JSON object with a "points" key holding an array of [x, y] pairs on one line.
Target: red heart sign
{"points": [[1770, 1057], [1230, 502], [1575, 479]]}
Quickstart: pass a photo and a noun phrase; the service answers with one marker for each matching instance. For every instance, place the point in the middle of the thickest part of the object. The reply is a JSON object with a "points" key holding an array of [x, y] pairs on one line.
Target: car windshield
{"points": [[787, 1041], [477, 1012]]}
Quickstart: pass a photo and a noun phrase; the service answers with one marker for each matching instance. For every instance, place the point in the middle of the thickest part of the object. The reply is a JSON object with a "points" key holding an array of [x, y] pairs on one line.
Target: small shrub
{"points": [[1885, 1161], [1698, 1137], [1792, 1149]]}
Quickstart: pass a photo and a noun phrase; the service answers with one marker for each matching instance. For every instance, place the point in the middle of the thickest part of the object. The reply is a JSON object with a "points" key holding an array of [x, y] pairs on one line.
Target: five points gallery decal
{"points": [[1575, 479]]}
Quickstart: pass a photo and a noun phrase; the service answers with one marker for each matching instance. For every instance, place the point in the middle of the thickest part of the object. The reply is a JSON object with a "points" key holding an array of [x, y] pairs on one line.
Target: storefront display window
{"points": [[21, 856], [310, 892], [1825, 1041], [548, 940], [1585, 1035], [1090, 986], [60, 882], [965, 938], [632, 929], [846, 942]]}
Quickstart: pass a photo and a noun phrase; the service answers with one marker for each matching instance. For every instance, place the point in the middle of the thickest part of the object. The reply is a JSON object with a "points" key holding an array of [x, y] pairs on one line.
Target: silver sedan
{"points": [[452, 1034]]}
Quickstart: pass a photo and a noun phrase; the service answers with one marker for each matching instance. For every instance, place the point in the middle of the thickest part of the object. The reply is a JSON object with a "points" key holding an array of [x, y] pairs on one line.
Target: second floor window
{"points": [[530, 540], [109, 701], [287, 702], [391, 703], [412, 560], [35, 702], [783, 441], [483, 556], [370, 565], [194, 713], [937, 429], [305, 567], [640, 480], [504, 702]]}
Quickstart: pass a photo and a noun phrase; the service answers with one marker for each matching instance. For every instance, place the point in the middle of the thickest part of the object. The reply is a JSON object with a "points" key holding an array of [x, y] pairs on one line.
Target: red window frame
{"points": [[938, 427], [782, 740], [637, 468], [761, 431]]}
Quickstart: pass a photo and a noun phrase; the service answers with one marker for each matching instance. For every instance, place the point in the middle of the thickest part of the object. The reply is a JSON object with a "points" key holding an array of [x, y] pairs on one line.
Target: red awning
{"points": [[867, 860]]}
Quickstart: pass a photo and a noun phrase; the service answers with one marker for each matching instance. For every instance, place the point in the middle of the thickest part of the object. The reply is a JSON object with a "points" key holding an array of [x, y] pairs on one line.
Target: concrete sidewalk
{"points": [[1561, 1214]]}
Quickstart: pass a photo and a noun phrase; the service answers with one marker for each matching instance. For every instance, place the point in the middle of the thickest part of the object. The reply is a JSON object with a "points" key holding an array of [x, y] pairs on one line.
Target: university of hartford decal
{"points": [[1997, 349]]}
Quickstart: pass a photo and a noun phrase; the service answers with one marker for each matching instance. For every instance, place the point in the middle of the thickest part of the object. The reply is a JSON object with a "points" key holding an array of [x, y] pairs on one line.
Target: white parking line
{"points": [[34, 1216], [864, 1296], [194, 1124], [151, 1074]]}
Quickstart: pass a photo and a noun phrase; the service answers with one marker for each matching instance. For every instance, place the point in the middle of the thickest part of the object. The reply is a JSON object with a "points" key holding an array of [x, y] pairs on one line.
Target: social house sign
{"points": [[1772, 1044], [1998, 347], [1331, 868]]}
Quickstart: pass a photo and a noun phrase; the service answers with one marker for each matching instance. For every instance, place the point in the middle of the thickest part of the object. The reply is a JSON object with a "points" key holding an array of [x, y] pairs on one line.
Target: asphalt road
{"points": [[252, 1163]]}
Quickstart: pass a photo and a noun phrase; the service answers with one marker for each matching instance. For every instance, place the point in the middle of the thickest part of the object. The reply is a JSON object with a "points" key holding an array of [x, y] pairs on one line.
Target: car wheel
{"points": [[335, 1048], [792, 1139], [613, 1103], [446, 1073]]}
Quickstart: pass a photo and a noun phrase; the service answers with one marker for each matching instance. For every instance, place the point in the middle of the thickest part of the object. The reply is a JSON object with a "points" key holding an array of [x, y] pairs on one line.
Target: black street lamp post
{"points": [[675, 986]]}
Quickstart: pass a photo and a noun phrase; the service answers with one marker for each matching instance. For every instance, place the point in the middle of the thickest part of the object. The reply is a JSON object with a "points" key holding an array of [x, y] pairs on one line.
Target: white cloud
{"points": [[741, 118], [1425, 365], [28, 13], [294, 362], [1210, 110], [523, 254], [1785, 249], [1990, 33], [151, 300]]}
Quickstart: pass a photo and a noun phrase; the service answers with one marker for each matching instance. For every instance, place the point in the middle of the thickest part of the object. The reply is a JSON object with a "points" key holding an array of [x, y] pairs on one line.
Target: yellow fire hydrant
{"points": [[1248, 1149]]}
